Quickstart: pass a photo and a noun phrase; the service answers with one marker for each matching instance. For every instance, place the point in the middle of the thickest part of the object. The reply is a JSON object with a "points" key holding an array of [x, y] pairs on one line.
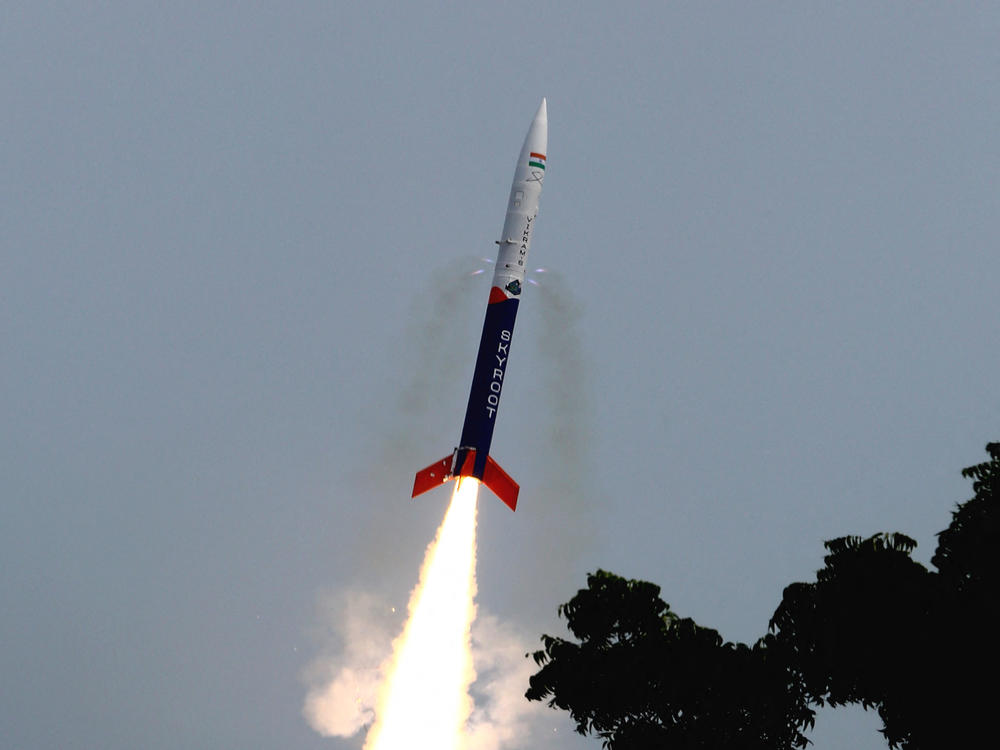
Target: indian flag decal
{"points": [[536, 160]]}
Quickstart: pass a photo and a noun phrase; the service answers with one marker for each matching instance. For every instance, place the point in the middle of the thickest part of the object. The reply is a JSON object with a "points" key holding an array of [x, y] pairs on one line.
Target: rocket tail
{"points": [[462, 463]]}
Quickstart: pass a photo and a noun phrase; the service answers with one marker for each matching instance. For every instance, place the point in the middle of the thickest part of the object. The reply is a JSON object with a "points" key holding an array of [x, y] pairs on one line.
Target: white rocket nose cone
{"points": [[542, 113]]}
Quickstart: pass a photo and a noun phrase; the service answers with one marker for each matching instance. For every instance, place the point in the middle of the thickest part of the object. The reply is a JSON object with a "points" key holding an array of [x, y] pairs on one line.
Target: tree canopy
{"points": [[876, 629]]}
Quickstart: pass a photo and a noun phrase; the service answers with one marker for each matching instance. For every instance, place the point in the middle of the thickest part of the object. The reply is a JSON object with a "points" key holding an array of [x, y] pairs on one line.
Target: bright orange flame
{"points": [[425, 702]]}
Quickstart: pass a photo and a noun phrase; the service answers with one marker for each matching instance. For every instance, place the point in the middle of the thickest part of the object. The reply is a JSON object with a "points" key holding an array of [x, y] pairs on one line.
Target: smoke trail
{"points": [[358, 630], [502, 717], [344, 679], [564, 372], [439, 349]]}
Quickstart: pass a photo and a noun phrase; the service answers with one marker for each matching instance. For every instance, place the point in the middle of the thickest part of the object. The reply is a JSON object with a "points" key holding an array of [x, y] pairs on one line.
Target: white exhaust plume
{"points": [[424, 700], [421, 695]]}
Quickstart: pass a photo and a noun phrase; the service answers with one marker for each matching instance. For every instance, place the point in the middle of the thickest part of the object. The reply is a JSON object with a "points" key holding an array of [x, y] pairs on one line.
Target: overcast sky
{"points": [[237, 313]]}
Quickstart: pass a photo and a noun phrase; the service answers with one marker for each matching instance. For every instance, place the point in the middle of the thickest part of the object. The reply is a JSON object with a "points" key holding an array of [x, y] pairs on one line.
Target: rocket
{"points": [[472, 456]]}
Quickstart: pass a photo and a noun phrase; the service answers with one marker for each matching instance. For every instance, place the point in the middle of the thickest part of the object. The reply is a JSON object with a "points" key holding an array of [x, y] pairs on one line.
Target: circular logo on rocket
{"points": [[514, 287]]}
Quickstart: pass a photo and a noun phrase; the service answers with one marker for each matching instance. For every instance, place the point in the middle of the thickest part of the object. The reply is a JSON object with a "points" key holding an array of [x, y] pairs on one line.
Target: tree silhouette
{"points": [[643, 677], [876, 628]]}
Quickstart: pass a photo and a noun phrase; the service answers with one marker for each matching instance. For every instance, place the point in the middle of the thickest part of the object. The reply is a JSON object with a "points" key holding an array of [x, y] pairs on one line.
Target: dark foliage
{"points": [[876, 628], [966, 553], [865, 631], [642, 677]]}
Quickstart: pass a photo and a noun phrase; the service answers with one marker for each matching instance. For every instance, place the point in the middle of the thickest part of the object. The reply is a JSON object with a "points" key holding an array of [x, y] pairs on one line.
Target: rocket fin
{"points": [[494, 477], [433, 476], [501, 483]]}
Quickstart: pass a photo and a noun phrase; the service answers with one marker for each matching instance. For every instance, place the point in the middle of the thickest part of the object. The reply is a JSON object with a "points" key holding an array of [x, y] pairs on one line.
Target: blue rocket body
{"points": [[487, 381]]}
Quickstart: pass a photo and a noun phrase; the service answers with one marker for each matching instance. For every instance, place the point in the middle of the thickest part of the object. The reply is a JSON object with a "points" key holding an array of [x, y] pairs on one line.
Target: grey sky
{"points": [[235, 318]]}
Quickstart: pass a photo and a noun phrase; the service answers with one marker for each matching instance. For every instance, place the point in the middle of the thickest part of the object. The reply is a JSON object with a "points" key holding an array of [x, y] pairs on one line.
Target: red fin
{"points": [[501, 483], [433, 476]]}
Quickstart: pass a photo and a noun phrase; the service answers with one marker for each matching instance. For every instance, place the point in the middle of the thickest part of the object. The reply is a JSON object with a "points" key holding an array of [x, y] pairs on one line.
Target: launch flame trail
{"points": [[424, 701]]}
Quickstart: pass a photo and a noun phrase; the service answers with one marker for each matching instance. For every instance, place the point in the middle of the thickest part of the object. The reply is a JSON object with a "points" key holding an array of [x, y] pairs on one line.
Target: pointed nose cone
{"points": [[536, 141]]}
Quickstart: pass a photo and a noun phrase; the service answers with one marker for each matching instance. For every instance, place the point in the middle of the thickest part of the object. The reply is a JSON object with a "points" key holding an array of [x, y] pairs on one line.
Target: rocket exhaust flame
{"points": [[424, 701]]}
